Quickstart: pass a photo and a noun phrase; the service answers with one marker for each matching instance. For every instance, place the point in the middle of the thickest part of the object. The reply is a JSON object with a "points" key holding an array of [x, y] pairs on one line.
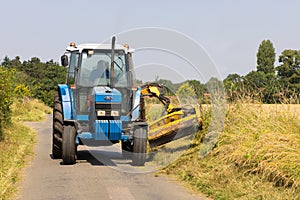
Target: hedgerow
{"points": [[6, 97]]}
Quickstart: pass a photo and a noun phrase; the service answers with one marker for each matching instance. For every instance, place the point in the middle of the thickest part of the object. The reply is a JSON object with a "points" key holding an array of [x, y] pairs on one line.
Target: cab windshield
{"points": [[95, 68]]}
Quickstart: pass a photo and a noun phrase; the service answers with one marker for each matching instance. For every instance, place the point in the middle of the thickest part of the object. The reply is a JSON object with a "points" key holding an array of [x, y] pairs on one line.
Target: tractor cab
{"points": [[101, 84]]}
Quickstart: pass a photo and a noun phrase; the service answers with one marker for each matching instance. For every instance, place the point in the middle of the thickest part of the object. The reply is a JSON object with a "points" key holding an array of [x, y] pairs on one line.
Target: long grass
{"points": [[29, 110], [256, 157], [17, 145]]}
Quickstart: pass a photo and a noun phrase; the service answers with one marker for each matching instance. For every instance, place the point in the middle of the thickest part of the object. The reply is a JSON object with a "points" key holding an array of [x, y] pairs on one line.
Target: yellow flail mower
{"points": [[177, 123]]}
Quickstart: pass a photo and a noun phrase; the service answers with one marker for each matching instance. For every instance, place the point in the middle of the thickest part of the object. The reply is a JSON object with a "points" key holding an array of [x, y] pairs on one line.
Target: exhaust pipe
{"points": [[112, 64]]}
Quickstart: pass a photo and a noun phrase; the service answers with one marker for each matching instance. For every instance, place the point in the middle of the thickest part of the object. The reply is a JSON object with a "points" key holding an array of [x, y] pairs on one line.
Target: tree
{"points": [[234, 86], [186, 93], [289, 70], [255, 80], [215, 88], [6, 62], [261, 86], [14, 63], [6, 95], [232, 81], [169, 87], [266, 57], [198, 87]]}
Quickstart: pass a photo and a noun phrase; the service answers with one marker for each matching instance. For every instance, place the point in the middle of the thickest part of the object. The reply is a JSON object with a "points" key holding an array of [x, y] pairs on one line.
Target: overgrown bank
{"points": [[256, 157], [17, 144]]}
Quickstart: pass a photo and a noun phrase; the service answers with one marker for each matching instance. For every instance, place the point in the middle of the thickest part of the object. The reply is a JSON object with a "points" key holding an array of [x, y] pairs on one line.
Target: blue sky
{"points": [[229, 31]]}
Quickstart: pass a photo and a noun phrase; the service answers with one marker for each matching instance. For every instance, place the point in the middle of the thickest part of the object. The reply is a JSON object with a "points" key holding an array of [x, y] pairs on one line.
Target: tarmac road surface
{"points": [[45, 178]]}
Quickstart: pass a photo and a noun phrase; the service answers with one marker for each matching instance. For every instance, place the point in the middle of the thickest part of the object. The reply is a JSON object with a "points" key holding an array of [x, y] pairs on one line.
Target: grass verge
{"points": [[18, 144], [29, 110], [256, 157]]}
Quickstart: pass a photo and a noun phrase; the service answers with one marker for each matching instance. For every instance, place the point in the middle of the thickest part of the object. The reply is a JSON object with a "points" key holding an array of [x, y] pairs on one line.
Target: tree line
{"points": [[34, 78], [27, 79], [268, 83]]}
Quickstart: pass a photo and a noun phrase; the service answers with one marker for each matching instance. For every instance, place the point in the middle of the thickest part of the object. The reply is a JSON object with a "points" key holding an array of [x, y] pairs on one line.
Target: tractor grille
{"points": [[108, 106]]}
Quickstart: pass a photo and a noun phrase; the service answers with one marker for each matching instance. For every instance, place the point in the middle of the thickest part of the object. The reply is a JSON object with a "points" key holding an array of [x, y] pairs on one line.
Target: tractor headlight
{"points": [[114, 113], [101, 113]]}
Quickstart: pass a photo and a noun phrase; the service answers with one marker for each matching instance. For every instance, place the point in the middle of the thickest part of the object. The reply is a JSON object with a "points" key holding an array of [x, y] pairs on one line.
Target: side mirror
{"points": [[64, 60]]}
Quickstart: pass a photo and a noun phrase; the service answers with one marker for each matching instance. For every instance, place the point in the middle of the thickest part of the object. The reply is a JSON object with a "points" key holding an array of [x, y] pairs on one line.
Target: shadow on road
{"points": [[84, 156], [99, 158]]}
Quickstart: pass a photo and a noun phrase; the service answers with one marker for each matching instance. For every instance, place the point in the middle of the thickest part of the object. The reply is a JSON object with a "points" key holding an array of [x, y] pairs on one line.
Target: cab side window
{"points": [[72, 68]]}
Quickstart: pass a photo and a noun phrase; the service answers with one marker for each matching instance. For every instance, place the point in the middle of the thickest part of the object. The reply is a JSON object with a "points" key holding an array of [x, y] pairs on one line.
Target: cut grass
{"points": [[18, 144], [256, 157]]}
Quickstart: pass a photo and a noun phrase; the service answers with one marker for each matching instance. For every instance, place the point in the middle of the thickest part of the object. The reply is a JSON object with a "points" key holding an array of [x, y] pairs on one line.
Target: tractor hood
{"points": [[106, 95]]}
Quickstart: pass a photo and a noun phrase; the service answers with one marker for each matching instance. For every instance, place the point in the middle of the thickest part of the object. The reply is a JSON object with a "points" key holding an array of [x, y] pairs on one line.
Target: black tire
{"points": [[68, 145], [58, 129], [139, 147], [127, 149]]}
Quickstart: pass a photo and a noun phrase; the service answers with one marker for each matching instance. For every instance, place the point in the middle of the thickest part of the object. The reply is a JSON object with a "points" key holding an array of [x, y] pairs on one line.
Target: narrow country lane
{"points": [[46, 178]]}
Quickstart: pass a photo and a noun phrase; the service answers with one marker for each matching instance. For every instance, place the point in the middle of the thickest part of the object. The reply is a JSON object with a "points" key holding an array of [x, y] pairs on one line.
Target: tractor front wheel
{"points": [[139, 147], [58, 128], [68, 145]]}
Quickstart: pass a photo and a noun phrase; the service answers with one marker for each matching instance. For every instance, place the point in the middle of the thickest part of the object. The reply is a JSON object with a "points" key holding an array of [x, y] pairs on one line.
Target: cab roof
{"points": [[96, 46]]}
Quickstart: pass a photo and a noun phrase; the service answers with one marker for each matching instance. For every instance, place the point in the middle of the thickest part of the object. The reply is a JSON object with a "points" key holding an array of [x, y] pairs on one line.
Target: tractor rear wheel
{"points": [[68, 145], [57, 128], [139, 147]]}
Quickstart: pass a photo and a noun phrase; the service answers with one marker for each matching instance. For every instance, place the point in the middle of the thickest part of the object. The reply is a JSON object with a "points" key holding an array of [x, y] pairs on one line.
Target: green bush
{"points": [[22, 91], [6, 96], [186, 93]]}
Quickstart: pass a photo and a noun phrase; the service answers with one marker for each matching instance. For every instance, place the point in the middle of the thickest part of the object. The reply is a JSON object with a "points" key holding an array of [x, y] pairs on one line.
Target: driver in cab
{"points": [[100, 75]]}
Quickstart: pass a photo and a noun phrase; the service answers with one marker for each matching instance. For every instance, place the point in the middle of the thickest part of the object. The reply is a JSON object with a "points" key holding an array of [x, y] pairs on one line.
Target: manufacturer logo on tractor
{"points": [[108, 98]]}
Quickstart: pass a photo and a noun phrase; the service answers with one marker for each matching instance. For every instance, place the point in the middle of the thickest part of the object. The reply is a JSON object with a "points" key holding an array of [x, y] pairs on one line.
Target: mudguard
{"points": [[66, 98], [136, 104]]}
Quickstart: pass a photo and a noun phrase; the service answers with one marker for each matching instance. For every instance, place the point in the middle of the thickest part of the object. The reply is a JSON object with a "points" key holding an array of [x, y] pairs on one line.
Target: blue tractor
{"points": [[99, 103]]}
